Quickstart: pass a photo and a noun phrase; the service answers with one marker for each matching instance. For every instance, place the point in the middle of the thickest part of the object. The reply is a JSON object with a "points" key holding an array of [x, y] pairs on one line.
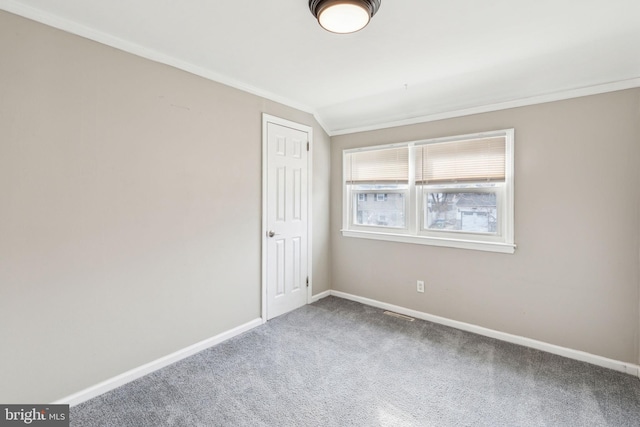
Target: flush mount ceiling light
{"points": [[343, 16]]}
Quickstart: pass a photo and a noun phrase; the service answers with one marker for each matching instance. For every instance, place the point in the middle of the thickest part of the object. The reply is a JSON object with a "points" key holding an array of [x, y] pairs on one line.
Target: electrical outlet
{"points": [[420, 286]]}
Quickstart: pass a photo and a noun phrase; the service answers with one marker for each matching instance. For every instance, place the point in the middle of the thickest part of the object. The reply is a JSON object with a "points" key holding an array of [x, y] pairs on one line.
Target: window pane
{"points": [[380, 209], [470, 212]]}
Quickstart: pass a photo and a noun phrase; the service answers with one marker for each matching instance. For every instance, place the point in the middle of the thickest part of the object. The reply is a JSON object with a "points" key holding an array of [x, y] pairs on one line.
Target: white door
{"points": [[286, 222]]}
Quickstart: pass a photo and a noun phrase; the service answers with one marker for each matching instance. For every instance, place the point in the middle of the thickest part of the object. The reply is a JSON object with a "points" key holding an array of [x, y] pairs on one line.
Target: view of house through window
{"points": [[454, 191], [381, 209], [472, 212]]}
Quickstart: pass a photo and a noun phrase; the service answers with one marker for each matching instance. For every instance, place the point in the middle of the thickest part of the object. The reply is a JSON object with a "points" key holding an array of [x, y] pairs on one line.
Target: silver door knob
{"points": [[271, 233]]}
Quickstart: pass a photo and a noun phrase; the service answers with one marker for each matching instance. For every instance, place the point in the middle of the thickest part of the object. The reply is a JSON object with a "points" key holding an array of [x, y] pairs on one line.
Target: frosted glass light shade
{"points": [[343, 16]]}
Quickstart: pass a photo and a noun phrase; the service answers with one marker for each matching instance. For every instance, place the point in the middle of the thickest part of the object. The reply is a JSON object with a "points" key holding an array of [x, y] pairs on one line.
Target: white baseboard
{"points": [[319, 296], [628, 368], [133, 374]]}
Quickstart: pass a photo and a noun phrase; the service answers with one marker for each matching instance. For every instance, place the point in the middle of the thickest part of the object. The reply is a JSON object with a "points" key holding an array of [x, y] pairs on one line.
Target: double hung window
{"points": [[379, 186], [455, 191]]}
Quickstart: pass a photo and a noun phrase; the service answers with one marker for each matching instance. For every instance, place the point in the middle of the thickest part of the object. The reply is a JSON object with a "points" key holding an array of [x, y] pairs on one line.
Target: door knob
{"points": [[271, 233]]}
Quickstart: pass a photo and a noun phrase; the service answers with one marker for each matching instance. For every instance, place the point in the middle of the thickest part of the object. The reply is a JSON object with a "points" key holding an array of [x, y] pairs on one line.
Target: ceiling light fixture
{"points": [[343, 16]]}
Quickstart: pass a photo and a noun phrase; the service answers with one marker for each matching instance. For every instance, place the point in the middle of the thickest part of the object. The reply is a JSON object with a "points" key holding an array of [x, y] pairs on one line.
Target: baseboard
{"points": [[628, 368], [319, 296], [133, 374]]}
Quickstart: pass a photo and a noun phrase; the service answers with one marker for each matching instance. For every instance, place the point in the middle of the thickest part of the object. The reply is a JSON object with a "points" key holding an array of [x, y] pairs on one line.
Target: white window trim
{"points": [[353, 226], [413, 233], [497, 237]]}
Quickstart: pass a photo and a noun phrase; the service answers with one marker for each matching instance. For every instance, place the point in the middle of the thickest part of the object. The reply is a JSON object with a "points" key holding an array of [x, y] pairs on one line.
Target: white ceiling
{"points": [[417, 59]]}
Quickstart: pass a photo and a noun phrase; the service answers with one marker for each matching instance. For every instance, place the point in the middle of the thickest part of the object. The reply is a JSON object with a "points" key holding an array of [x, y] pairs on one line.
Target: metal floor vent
{"points": [[399, 316]]}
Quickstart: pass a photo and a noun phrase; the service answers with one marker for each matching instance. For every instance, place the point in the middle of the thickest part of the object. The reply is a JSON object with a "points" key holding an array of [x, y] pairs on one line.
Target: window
{"points": [[455, 191]]}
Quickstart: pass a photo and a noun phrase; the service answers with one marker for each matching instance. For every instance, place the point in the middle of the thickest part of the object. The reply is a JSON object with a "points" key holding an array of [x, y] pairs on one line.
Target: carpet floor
{"points": [[340, 363]]}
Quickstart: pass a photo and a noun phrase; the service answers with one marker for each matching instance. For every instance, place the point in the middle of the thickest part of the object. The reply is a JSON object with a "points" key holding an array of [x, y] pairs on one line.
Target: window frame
{"points": [[498, 190], [415, 209], [352, 214]]}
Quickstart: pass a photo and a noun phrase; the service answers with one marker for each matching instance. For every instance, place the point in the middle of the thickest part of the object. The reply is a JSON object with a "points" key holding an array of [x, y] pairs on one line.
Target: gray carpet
{"points": [[341, 363]]}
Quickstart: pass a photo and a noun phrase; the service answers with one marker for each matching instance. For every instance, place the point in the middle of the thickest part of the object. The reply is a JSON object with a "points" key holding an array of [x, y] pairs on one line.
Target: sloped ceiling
{"points": [[417, 59]]}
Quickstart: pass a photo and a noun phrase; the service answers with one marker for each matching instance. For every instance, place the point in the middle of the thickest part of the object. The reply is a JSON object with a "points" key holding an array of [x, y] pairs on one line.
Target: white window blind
{"points": [[390, 165], [478, 160]]}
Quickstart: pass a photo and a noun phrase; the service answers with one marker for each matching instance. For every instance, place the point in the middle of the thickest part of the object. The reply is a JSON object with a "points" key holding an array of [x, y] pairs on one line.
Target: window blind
{"points": [[389, 165], [478, 160]]}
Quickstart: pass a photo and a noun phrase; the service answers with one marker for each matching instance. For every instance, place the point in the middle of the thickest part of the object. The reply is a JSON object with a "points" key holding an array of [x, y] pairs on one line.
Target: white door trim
{"points": [[266, 118]]}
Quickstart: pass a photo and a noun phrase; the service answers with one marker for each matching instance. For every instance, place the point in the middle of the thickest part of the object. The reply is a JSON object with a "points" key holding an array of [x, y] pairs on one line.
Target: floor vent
{"points": [[399, 316]]}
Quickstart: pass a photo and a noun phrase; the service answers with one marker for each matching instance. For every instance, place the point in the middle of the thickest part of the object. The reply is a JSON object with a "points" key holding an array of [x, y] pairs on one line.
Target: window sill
{"points": [[505, 248]]}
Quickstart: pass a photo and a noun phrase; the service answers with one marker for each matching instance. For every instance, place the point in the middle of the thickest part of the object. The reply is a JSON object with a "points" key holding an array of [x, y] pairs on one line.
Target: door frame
{"points": [[266, 119]]}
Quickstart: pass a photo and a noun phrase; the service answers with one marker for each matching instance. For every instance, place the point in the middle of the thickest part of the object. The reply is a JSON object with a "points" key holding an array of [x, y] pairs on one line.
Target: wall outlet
{"points": [[420, 286]]}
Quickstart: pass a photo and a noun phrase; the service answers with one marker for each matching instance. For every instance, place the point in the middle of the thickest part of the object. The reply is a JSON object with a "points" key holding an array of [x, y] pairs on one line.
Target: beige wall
{"points": [[130, 210], [574, 278]]}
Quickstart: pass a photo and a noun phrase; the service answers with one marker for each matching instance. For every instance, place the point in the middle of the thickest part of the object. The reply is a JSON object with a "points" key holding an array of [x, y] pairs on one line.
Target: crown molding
{"points": [[515, 103], [73, 27], [78, 29]]}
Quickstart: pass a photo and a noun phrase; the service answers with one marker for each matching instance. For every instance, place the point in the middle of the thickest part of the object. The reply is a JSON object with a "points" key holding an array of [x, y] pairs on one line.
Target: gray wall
{"points": [[130, 210], [574, 278]]}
